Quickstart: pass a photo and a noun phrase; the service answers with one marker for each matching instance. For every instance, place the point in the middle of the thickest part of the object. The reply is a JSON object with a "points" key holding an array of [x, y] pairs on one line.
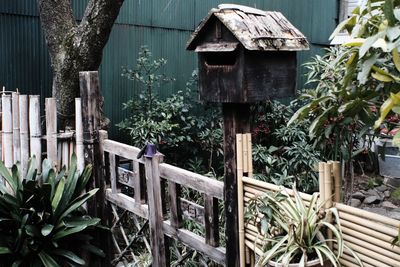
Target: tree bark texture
{"points": [[73, 46]]}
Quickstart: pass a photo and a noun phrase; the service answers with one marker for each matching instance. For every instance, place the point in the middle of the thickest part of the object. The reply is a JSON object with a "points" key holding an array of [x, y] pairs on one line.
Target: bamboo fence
{"points": [[368, 234], [24, 134]]}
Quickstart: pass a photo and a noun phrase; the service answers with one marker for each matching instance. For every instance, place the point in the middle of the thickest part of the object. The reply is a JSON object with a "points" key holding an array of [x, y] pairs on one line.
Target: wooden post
{"points": [[90, 97], [236, 120], [16, 130], [24, 133], [51, 131], [79, 135], [211, 220], [156, 217], [35, 130], [7, 130]]}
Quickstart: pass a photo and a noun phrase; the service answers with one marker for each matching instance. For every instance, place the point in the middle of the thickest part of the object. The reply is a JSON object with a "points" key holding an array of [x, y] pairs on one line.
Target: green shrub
{"points": [[42, 221]]}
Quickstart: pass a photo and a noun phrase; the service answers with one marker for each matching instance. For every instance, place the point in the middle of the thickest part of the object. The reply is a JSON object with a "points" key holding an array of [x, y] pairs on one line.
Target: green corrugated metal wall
{"points": [[163, 25]]}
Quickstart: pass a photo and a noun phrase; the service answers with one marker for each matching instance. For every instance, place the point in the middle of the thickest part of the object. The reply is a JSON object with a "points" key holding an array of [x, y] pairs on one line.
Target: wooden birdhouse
{"points": [[246, 55]]}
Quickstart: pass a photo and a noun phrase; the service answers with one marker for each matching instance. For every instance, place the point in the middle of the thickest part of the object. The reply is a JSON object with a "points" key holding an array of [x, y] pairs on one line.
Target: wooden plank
{"points": [[125, 177], [113, 172], [192, 180], [195, 242], [174, 191], [35, 130], [155, 210], [139, 182], [123, 150], [211, 219], [127, 203], [16, 128], [79, 135], [24, 133], [51, 131], [7, 121]]}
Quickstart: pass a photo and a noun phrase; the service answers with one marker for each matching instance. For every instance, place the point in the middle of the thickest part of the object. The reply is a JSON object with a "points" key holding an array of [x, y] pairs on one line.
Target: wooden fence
{"points": [[368, 234], [157, 198]]}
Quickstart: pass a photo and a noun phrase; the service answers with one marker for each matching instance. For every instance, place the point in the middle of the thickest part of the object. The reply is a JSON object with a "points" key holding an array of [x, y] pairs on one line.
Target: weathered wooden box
{"points": [[246, 55]]}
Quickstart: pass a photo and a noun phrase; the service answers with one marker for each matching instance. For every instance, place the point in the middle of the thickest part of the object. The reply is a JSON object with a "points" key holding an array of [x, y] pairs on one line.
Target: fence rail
{"points": [[157, 197]]}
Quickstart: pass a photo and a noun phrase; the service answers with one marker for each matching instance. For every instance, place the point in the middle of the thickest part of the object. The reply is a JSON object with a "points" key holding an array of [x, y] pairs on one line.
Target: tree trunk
{"points": [[75, 47]]}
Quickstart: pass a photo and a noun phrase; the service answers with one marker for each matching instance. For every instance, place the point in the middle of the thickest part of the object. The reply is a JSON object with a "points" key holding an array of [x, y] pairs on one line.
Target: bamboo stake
{"points": [[245, 154], [365, 259], [328, 196], [239, 167], [79, 135], [368, 215], [51, 131], [16, 129], [250, 156], [35, 131], [7, 130], [24, 133], [337, 180], [65, 154], [59, 153], [321, 176]]}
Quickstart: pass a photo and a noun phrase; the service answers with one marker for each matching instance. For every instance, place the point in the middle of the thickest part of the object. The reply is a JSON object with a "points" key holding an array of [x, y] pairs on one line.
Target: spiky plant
{"points": [[42, 221], [294, 231]]}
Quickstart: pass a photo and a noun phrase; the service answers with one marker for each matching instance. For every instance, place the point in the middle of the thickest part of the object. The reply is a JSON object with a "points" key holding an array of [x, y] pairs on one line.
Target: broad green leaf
{"points": [[78, 202], [355, 42], [93, 249], [46, 230], [69, 255], [340, 27], [4, 250], [396, 58], [368, 43], [362, 76], [396, 13], [81, 221], [31, 173], [68, 231], [388, 10], [58, 194], [384, 110], [47, 260], [4, 172], [381, 77], [393, 33]]}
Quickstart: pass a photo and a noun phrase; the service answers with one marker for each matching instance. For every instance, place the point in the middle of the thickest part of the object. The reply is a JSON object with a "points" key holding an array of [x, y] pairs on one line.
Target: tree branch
{"points": [[95, 27]]}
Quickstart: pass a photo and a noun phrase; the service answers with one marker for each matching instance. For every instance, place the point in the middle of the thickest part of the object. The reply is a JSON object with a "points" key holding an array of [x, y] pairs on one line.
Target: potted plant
{"points": [[42, 221], [294, 233]]}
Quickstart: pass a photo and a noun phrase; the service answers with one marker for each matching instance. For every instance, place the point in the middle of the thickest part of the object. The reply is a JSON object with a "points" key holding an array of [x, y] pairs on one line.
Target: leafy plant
{"points": [[42, 221], [295, 232]]}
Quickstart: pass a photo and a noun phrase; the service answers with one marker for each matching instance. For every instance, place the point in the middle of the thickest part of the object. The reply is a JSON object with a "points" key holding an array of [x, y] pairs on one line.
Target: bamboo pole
{"points": [[321, 176], [372, 244], [7, 130], [368, 215], [365, 259], [65, 154], [245, 153], [369, 223], [79, 135], [24, 133], [350, 261], [271, 187], [239, 167], [367, 231], [35, 131], [328, 197], [16, 128], [51, 131], [337, 175], [249, 156]]}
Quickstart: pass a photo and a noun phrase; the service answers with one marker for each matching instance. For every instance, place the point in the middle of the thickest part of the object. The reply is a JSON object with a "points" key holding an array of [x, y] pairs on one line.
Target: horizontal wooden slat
{"points": [[200, 183], [195, 242], [127, 203], [368, 215], [122, 150]]}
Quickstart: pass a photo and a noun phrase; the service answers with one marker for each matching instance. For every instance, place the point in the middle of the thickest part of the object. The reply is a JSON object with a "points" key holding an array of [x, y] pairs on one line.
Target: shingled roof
{"points": [[255, 29]]}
